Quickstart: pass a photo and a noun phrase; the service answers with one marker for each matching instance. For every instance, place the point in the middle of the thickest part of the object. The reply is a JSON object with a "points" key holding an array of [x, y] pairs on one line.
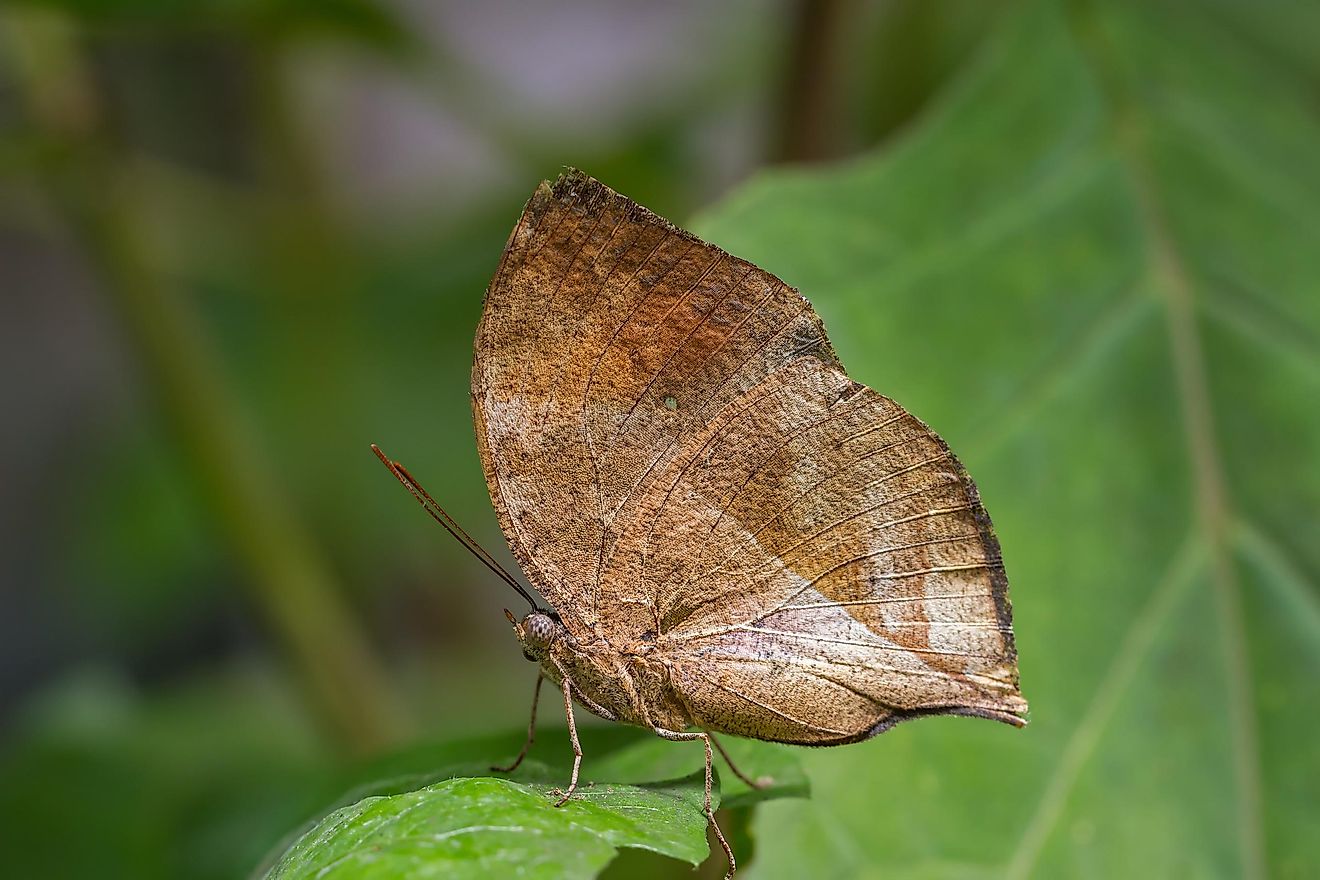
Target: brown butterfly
{"points": [[731, 534]]}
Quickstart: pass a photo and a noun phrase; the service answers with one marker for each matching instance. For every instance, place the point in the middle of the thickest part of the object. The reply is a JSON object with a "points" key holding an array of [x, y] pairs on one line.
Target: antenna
{"points": [[438, 514]]}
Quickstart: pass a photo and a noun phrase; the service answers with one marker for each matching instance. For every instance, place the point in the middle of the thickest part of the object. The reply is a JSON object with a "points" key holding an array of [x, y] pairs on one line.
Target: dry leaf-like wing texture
{"points": [[679, 460]]}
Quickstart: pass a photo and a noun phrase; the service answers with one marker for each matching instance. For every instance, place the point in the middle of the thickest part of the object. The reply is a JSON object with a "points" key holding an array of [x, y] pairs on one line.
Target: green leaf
{"points": [[1094, 267], [435, 811], [482, 827]]}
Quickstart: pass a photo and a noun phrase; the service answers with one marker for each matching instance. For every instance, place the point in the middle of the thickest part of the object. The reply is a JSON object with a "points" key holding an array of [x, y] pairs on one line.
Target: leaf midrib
{"points": [[1213, 508], [1167, 272]]}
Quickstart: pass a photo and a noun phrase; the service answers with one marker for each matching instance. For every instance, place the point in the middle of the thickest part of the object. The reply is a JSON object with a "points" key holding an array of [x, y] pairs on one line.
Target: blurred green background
{"points": [[241, 240]]}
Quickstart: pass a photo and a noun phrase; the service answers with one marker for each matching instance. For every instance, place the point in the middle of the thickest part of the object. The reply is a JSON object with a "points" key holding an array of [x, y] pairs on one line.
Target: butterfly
{"points": [[731, 535]]}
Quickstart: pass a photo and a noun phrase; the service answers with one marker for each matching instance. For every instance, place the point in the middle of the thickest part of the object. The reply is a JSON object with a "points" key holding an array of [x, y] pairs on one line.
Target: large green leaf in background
{"points": [[1095, 268]]}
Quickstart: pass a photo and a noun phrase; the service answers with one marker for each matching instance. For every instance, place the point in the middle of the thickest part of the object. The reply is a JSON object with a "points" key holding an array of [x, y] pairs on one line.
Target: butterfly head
{"points": [[536, 632]]}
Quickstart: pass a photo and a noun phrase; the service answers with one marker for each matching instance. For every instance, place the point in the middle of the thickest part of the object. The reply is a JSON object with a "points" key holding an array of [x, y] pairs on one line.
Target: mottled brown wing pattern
{"points": [[676, 454], [603, 324], [820, 564]]}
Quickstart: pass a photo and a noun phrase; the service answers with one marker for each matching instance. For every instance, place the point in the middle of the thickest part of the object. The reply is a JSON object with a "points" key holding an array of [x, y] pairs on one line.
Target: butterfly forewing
{"points": [[676, 455]]}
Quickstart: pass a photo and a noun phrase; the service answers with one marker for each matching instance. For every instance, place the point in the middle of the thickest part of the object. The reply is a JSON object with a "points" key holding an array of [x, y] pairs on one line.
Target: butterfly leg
{"points": [[531, 731], [759, 782], [678, 736], [572, 735]]}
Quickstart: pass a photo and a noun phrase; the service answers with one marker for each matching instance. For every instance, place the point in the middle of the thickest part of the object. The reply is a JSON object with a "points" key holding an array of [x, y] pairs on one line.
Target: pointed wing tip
{"points": [[579, 191], [572, 188], [572, 178], [1012, 711], [1015, 711], [577, 187], [1017, 719]]}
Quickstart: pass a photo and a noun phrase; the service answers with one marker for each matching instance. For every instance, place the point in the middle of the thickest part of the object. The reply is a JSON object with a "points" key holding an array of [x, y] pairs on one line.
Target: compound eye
{"points": [[540, 629], [529, 656]]}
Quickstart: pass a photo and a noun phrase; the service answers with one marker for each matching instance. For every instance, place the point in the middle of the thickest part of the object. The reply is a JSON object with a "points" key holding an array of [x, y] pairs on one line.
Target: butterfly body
{"points": [[627, 683]]}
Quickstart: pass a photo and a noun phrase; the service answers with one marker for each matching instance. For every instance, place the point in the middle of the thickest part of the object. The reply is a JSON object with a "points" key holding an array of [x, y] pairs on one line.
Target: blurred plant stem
{"points": [[810, 103], [289, 582]]}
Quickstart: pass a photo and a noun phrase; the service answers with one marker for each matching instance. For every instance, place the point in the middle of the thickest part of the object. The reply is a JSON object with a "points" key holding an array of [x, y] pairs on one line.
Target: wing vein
{"points": [[567, 360], [753, 535], [769, 708], [684, 341], [595, 367], [888, 600], [878, 646], [760, 465], [632, 490], [715, 435]]}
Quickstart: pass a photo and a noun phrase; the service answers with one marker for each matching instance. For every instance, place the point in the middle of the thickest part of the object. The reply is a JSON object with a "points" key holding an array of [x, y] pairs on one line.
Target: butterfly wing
{"points": [[677, 456]]}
